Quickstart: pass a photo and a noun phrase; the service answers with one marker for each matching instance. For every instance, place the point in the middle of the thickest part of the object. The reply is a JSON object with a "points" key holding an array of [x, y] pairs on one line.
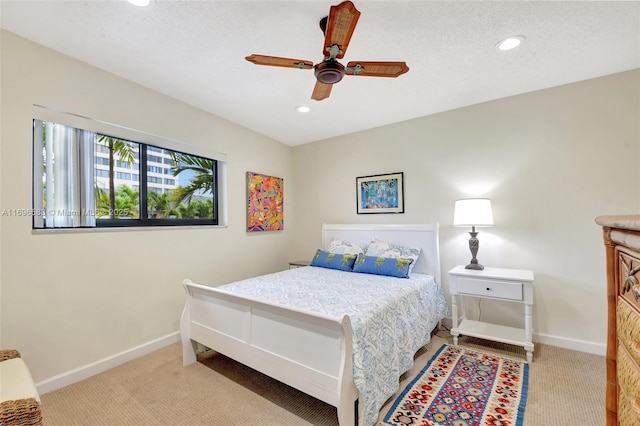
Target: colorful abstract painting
{"points": [[380, 193], [265, 203]]}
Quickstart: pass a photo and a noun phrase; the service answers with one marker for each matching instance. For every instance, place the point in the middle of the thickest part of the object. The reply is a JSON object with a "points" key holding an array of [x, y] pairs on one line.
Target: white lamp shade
{"points": [[473, 212]]}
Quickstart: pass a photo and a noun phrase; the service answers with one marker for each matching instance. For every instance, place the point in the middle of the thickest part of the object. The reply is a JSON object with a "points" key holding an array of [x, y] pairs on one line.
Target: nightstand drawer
{"points": [[511, 290]]}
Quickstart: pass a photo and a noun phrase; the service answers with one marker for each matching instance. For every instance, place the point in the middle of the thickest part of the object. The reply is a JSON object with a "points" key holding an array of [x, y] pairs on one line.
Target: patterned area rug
{"points": [[459, 387]]}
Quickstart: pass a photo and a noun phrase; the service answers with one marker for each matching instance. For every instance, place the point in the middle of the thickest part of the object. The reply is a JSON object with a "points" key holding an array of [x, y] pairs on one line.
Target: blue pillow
{"points": [[324, 259], [393, 267]]}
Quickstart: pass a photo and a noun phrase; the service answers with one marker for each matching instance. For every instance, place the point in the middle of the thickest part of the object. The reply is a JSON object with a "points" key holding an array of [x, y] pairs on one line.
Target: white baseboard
{"points": [[559, 341], [105, 364], [573, 344]]}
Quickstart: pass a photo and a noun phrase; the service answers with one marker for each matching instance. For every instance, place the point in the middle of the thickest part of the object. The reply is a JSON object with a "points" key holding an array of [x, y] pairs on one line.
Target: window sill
{"points": [[122, 229]]}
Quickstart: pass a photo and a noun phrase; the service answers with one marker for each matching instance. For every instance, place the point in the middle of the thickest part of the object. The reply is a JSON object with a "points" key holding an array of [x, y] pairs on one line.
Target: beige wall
{"points": [[551, 161], [70, 299]]}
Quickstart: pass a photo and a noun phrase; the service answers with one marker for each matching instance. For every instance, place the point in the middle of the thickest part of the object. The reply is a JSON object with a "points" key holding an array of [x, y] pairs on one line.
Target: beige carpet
{"points": [[565, 388]]}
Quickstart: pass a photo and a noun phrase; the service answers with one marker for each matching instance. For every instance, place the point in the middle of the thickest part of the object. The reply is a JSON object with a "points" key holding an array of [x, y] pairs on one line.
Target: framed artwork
{"points": [[265, 203], [380, 193]]}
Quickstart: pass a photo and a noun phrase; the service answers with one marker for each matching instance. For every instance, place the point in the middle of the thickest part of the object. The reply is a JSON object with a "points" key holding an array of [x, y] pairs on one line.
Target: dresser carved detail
{"points": [[631, 281]]}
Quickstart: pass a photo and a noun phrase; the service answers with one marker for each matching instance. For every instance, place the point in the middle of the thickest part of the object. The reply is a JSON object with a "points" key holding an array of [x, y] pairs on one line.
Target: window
{"points": [[83, 179]]}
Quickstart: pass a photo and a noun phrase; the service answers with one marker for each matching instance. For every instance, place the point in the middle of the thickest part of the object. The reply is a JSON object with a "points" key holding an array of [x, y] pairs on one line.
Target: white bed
{"points": [[309, 350]]}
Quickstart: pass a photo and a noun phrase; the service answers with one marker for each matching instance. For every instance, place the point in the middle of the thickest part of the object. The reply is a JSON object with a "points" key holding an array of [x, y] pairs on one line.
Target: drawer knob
{"points": [[635, 403], [488, 288]]}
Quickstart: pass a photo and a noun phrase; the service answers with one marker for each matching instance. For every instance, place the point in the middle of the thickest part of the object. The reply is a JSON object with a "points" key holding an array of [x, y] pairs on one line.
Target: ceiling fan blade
{"points": [[376, 69], [342, 21], [279, 62], [321, 91]]}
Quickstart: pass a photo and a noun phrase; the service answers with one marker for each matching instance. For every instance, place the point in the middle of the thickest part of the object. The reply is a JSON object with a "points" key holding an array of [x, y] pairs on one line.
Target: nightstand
{"points": [[299, 264], [509, 285]]}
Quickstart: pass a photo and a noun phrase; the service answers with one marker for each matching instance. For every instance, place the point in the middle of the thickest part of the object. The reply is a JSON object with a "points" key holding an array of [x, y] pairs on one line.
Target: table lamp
{"points": [[473, 212]]}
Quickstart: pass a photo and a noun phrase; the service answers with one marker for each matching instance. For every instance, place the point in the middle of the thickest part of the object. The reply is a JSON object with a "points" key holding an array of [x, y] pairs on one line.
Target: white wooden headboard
{"points": [[424, 236]]}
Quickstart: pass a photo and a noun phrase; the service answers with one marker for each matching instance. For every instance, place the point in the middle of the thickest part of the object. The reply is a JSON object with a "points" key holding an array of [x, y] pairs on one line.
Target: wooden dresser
{"points": [[622, 241]]}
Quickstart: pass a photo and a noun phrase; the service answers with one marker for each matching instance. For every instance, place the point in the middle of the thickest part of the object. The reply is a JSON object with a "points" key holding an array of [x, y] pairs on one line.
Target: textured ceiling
{"points": [[194, 51]]}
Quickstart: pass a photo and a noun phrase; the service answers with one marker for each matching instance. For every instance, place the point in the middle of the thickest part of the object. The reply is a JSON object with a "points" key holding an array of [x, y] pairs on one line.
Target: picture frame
{"points": [[265, 203], [380, 193]]}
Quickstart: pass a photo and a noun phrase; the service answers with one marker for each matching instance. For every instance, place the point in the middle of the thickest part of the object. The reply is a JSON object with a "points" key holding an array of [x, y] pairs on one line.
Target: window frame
{"points": [[143, 221]]}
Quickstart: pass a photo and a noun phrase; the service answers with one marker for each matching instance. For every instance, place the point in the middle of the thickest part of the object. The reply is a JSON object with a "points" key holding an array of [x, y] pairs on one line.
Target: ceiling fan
{"points": [[338, 28]]}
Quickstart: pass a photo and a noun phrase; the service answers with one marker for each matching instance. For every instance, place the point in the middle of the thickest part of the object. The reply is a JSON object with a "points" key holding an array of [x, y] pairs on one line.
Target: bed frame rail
{"points": [[308, 351]]}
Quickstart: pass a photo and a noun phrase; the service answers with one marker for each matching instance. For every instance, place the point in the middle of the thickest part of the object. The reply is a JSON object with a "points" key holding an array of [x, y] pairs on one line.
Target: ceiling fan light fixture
{"points": [[329, 72], [303, 109], [510, 42]]}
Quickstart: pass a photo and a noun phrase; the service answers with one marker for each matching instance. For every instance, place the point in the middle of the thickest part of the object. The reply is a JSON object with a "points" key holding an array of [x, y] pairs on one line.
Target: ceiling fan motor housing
{"points": [[329, 71]]}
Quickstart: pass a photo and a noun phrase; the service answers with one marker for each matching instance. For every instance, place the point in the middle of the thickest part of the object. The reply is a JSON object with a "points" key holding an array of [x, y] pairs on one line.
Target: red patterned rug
{"points": [[459, 387]]}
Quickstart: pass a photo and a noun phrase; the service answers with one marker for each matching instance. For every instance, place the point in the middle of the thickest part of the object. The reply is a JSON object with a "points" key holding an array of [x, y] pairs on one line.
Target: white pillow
{"points": [[345, 247], [379, 248]]}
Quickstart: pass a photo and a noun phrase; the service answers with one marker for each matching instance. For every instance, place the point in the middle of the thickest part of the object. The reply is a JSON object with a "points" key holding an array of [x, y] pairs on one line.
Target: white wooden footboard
{"points": [[308, 351]]}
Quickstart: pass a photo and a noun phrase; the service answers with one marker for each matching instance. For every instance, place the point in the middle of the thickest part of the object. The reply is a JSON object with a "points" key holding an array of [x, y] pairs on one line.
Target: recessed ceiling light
{"points": [[139, 2], [511, 42], [303, 108]]}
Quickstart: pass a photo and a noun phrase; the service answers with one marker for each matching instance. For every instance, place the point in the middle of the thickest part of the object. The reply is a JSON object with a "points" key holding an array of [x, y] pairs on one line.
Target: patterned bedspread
{"points": [[391, 319]]}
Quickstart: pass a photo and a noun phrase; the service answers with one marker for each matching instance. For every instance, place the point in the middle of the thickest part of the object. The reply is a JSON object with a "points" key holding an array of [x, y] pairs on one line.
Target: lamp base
{"points": [[476, 266], [473, 246]]}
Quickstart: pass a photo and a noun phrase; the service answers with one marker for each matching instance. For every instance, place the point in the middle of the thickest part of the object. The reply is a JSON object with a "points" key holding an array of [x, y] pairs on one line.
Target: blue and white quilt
{"points": [[391, 319]]}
